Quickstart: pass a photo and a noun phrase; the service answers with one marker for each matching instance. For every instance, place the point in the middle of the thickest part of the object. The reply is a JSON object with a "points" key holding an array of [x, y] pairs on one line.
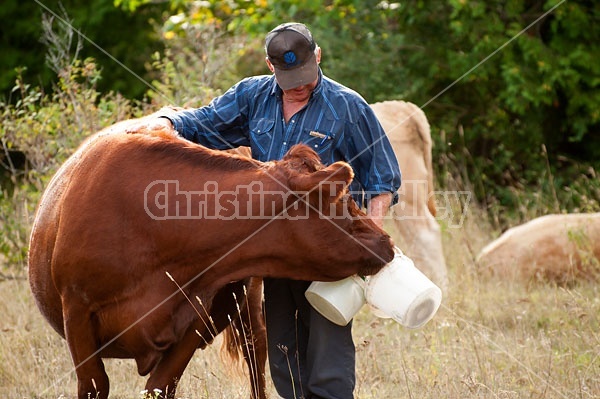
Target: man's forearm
{"points": [[378, 208]]}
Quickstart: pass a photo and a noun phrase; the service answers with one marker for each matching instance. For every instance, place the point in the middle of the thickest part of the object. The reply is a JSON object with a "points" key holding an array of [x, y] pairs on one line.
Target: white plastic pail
{"points": [[339, 300], [403, 292]]}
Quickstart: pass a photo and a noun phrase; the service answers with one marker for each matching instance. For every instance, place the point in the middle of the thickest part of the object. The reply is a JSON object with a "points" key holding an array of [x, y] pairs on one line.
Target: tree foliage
{"points": [[510, 87], [111, 35]]}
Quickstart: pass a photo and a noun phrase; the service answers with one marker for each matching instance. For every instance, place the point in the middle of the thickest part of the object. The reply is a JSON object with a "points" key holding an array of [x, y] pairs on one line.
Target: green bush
{"points": [[47, 129]]}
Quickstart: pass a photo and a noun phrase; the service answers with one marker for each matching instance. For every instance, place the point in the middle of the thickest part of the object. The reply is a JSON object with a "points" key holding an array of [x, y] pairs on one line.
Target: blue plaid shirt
{"points": [[337, 123]]}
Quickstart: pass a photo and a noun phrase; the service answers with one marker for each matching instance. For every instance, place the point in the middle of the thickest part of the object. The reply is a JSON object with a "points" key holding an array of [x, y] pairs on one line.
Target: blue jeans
{"points": [[309, 356]]}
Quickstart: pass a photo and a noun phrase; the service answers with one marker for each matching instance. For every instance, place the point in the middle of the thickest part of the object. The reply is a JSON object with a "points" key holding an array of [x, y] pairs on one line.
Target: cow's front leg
{"points": [[168, 371], [92, 381]]}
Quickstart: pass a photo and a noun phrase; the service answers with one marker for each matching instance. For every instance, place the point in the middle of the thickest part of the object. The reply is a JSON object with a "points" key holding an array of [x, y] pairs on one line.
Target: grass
{"points": [[488, 340]]}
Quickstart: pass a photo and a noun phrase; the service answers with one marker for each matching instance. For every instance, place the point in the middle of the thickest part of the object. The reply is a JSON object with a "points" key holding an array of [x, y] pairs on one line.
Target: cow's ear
{"points": [[303, 159], [330, 182]]}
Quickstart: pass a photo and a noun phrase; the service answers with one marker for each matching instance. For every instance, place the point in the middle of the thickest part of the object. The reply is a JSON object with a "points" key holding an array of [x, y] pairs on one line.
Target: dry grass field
{"points": [[489, 340]]}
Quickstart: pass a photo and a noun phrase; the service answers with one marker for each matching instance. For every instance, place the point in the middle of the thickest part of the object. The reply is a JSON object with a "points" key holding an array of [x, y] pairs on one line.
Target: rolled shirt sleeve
{"points": [[221, 125], [370, 154]]}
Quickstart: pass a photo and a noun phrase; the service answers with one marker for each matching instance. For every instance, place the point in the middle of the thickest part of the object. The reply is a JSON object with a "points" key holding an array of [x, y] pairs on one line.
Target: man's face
{"points": [[300, 93]]}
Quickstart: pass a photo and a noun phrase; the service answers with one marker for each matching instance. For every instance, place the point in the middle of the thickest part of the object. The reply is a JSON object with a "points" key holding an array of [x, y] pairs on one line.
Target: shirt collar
{"points": [[318, 87], [275, 89]]}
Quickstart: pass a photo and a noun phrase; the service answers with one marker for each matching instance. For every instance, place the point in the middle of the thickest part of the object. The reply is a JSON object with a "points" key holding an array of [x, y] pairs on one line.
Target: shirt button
{"points": [[284, 143]]}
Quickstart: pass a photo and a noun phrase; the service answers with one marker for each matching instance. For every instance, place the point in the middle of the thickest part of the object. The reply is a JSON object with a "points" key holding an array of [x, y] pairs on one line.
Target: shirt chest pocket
{"points": [[261, 134], [321, 142]]}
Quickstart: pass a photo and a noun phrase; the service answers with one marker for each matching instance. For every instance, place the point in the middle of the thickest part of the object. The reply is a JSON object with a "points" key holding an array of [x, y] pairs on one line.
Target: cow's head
{"points": [[326, 228]]}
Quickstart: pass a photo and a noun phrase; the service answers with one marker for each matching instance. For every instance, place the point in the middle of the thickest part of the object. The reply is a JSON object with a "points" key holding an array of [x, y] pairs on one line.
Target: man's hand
{"points": [[152, 125], [378, 208]]}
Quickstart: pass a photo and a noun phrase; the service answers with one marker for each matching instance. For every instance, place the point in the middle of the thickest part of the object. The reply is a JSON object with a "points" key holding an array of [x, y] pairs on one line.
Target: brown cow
{"points": [[560, 248], [126, 208], [414, 216]]}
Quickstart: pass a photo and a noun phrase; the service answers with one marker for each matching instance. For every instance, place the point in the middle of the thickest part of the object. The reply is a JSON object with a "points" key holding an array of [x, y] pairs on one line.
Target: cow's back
{"points": [[559, 247], [409, 133]]}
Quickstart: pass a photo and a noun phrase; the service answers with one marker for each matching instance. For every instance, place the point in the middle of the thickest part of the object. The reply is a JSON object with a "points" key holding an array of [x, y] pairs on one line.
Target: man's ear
{"points": [[271, 67], [329, 183]]}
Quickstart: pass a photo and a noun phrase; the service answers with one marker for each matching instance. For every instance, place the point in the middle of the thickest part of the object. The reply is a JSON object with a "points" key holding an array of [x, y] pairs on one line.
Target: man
{"points": [[309, 356]]}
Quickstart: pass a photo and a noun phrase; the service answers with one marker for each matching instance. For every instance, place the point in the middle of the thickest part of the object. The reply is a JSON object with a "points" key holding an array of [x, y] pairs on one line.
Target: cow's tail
{"points": [[425, 134], [245, 337], [231, 343]]}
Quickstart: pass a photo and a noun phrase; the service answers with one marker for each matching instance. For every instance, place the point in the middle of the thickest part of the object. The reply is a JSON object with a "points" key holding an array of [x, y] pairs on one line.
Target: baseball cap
{"points": [[291, 49]]}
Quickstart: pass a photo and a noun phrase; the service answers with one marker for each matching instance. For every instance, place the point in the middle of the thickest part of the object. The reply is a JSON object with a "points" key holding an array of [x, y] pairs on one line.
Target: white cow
{"points": [[419, 234], [559, 248]]}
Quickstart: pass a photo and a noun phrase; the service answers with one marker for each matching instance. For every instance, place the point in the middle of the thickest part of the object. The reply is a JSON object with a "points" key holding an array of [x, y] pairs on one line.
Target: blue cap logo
{"points": [[290, 59]]}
